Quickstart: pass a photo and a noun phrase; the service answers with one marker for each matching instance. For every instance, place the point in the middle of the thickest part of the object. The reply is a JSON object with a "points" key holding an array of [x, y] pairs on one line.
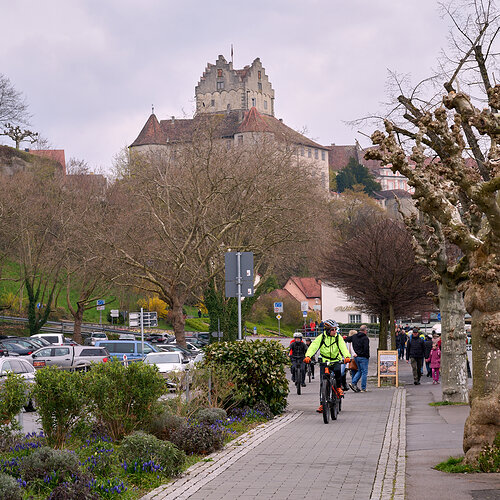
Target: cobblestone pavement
{"points": [[298, 456]]}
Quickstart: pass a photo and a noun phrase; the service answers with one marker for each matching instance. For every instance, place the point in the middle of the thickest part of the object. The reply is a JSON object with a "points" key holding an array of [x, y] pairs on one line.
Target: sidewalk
{"points": [[433, 434]]}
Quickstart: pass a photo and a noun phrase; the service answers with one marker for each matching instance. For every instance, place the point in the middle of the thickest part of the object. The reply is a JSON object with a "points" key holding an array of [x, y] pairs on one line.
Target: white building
{"points": [[336, 305]]}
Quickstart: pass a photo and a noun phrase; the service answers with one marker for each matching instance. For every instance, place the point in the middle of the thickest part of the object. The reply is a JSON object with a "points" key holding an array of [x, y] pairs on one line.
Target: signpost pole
{"points": [[238, 282], [279, 328], [100, 318], [142, 332]]}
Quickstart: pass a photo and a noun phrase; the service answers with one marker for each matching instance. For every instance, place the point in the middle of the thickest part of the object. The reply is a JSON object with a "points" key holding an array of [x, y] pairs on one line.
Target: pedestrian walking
{"points": [[353, 367], [415, 351], [427, 351], [361, 346], [435, 363], [401, 339]]}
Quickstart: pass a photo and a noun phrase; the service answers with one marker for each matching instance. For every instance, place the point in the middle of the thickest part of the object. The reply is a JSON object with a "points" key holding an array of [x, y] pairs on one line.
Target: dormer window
{"points": [[219, 73]]}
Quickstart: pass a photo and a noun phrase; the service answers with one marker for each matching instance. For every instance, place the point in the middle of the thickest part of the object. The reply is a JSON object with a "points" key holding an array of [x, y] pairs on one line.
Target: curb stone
{"points": [[215, 464], [389, 481]]}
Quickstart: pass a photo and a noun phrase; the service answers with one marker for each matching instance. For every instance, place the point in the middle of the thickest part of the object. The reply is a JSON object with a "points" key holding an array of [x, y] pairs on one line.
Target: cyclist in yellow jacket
{"points": [[332, 349]]}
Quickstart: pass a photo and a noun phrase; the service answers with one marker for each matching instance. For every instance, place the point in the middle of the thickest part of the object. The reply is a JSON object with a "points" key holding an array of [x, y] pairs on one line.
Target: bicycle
{"points": [[330, 399], [297, 374], [309, 370]]}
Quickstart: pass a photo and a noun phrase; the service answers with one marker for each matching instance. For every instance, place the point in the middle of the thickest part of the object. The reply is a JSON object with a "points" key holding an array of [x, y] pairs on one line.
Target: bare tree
{"points": [[376, 268], [13, 107], [179, 211], [31, 222], [18, 135]]}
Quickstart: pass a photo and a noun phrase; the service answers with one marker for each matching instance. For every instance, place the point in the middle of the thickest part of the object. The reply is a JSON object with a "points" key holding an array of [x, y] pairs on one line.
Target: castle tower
{"points": [[222, 88]]}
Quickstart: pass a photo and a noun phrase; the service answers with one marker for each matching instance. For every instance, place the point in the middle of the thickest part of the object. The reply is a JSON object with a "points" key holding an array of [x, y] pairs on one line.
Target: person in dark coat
{"points": [[361, 347], [427, 353], [415, 351], [401, 339]]}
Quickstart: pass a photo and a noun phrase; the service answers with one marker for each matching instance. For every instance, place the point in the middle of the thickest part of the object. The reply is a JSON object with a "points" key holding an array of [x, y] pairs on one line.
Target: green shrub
{"points": [[258, 368], [164, 423], [12, 397], [139, 448], [98, 456], [489, 458], [123, 397], [210, 415], [61, 403], [9, 488], [49, 465], [200, 439]]}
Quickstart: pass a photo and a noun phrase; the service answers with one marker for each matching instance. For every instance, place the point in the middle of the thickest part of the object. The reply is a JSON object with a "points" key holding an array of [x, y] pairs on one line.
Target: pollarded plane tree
{"points": [[454, 167]]}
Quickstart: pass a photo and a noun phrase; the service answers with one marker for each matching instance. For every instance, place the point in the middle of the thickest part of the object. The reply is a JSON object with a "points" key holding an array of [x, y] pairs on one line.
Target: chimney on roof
{"points": [[173, 119], [281, 120]]}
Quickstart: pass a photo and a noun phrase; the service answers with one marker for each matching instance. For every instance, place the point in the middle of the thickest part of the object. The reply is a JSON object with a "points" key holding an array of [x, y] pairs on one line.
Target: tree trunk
{"points": [[178, 321], [482, 300], [382, 339], [392, 327], [453, 344], [78, 319]]}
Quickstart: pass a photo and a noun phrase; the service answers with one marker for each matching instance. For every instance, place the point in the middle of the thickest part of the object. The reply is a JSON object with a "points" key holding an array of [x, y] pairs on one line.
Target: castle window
{"points": [[253, 102], [219, 73], [309, 153], [316, 155], [302, 151], [212, 102], [323, 155], [260, 74], [220, 85], [228, 144], [240, 139], [265, 104], [259, 86], [228, 107]]}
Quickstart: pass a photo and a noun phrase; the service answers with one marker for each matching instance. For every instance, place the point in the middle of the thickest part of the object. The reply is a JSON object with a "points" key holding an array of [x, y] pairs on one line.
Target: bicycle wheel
{"points": [[326, 399], [297, 384], [334, 407], [309, 372], [340, 405]]}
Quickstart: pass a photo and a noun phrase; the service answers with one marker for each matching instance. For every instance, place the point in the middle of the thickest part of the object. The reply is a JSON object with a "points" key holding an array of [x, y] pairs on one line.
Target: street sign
{"points": [[304, 314], [149, 319], [134, 319], [100, 305], [278, 316], [114, 313], [439, 316], [255, 330], [246, 273], [218, 334], [304, 306], [426, 317], [278, 307]]}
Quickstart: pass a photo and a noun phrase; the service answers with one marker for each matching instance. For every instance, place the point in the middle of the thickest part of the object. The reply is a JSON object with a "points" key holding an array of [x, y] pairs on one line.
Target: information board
{"points": [[388, 366]]}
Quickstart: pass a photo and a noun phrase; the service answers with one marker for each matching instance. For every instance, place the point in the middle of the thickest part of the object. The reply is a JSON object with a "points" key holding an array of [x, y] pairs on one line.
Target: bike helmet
{"points": [[330, 323], [297, 335]]}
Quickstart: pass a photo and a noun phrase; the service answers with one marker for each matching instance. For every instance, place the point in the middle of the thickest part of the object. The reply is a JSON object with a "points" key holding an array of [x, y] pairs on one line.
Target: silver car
{"points": [[69, 357], [23, 368]]}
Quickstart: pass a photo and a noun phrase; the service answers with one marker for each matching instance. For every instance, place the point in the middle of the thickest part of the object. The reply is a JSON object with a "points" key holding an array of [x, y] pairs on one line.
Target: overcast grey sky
{"points": [[91, 69]]}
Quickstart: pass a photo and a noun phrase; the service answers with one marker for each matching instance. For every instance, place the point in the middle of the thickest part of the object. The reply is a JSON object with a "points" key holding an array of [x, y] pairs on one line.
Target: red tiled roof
{"points": [[339, 156], [310, 287], [52, 154], [151, 133], [226, 125]]}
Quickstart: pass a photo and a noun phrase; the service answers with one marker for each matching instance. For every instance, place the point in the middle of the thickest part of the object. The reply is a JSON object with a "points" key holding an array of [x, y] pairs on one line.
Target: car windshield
{"points": [[99, 335], [164, 357]]}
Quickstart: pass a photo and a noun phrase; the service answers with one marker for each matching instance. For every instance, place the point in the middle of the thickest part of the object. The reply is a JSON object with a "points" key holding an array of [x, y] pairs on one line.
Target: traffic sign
{"points": [[149, 319], [304, 306], [304, 314], [114, 313], [278, 307], [278, 316], [246, 274], [218, 334], [100, 304], [255, 330]]}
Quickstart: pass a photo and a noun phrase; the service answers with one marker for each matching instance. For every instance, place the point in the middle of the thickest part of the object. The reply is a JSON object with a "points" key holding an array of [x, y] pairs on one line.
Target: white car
{"points": [[167, 361], [21, 367]]}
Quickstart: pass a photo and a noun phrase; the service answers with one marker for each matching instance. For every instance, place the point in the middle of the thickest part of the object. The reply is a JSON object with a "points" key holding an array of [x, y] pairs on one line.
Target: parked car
{"points": [[203, 336], [28, 342], [131, 348], [93, 337], [15, 349], [198, 343], [167, 361], [190, 346], [199, 357], [23, 368], [175, 348], [53, 338], [160, 337], [126, 336], [69, 357]]}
